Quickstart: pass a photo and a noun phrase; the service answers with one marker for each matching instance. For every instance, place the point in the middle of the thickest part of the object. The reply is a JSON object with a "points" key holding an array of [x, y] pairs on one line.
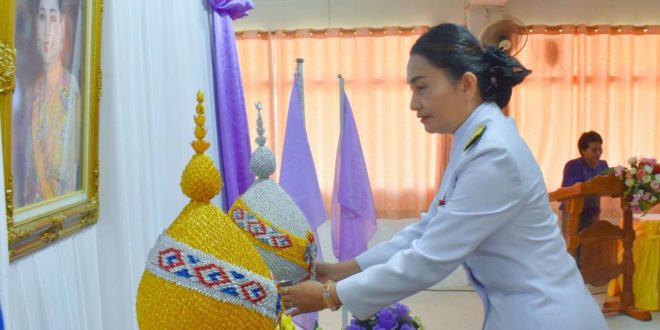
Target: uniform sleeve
{"points": [[572, 174], [383, 251], [486, 196]]}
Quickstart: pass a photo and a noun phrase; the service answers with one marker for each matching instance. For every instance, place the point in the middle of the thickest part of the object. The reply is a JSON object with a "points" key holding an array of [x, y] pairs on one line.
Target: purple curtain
{"points": [[230, 112], [352, 211]]}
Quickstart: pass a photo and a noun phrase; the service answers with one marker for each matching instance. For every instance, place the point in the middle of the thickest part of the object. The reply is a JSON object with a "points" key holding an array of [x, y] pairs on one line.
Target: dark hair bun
{"points": [[505, 68], [505, 73]]}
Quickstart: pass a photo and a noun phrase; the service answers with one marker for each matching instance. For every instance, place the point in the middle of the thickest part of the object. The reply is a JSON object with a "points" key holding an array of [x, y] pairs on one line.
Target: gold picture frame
{"points": [[50, 91]]}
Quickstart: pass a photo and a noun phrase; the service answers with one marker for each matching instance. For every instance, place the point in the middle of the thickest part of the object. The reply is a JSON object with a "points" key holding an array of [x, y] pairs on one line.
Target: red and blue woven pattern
{"points": [[180, 263], [310, 250], [260, 230]]}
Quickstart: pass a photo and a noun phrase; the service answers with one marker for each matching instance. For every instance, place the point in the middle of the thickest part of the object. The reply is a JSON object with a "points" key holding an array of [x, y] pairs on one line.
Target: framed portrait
{"points": [[49, 101]]}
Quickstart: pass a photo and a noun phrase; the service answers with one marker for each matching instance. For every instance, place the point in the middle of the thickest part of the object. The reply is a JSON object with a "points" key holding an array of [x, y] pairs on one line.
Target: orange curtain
{"points": [[600, 78], [404, 162]]}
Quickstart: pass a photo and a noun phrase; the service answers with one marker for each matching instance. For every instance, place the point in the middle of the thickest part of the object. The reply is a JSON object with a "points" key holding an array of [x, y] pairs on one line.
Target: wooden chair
{"points": [[598, 258]]}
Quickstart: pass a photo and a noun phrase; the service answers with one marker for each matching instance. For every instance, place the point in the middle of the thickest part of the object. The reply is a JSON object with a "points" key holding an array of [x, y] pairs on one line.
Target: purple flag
{"points": [[352, 211], [230, 112], [299, 180], [298, 175]]}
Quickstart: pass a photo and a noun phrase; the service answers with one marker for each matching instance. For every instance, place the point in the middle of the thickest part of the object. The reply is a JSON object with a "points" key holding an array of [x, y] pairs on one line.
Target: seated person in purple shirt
{"points": [[582, 169]]}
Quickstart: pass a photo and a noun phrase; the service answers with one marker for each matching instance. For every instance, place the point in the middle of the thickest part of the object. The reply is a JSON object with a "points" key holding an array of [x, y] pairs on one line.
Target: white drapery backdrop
{"points": [[155, 56]]}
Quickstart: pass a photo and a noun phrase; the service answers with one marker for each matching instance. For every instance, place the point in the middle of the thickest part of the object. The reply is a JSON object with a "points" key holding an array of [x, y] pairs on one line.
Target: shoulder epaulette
{"points": [[475, 137]]}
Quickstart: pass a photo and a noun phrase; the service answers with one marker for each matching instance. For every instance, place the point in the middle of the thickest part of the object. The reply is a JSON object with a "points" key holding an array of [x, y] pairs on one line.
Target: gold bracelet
{"points": [[327, 300]]}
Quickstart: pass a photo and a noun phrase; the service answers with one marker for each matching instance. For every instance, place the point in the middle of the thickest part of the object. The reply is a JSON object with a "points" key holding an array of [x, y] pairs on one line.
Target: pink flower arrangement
{"points": [[642, 181]]}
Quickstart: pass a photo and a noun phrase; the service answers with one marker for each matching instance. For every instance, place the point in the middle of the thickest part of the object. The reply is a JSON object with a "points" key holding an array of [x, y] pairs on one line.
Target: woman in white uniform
{"points": [[491, 214]]}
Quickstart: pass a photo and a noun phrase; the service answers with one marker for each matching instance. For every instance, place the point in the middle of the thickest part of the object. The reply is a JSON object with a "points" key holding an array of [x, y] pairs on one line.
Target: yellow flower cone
{"points": [[203, 273]]}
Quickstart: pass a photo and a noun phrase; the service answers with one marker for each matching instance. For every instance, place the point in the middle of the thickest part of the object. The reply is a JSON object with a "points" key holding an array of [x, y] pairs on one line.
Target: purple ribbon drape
{"points": [[230, 111], [235, 9]]}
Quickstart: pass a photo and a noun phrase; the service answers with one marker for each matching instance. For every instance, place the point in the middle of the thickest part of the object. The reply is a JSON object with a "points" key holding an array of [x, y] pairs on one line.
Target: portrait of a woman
{"points": [[47, 131]]}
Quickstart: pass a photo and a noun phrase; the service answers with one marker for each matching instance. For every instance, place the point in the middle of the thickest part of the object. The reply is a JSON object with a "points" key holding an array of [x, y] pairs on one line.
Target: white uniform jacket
{"points": [[496, 220]]}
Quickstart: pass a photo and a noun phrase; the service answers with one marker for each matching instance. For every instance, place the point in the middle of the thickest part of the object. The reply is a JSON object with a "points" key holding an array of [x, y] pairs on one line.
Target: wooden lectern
{"points": [[598, 256]]}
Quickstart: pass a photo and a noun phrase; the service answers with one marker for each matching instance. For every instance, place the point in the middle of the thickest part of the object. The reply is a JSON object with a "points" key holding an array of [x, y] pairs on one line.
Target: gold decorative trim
{"points": [[9, 197], [95, 178], [99, 86], [90, 214], [54, 231], [7, 68]]}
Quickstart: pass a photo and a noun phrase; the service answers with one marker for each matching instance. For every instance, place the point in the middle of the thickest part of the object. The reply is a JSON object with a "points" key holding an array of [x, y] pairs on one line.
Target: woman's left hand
{"points": [[302, 298]]}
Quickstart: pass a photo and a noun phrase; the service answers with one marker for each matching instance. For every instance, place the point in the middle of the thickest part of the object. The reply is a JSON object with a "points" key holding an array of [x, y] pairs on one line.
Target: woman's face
{"points": [[438, 101], [593, 152], [49, 30]]}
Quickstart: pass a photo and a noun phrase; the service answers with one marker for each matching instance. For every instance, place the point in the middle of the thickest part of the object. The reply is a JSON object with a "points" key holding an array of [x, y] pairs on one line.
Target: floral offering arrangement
{"points": [[642, 181], [394, 317], [286, 323]]}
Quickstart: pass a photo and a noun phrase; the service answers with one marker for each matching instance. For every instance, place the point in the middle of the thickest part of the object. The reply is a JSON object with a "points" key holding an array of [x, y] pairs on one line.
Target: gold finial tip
{"points": [[201, 180], [200, 120], [200, 132], [199, 145]]}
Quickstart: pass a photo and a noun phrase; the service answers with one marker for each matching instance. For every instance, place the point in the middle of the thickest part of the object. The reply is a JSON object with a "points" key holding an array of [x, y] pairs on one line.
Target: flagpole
{"points": [[302, 185], [301, 95], [342, 108], [301, 88]]}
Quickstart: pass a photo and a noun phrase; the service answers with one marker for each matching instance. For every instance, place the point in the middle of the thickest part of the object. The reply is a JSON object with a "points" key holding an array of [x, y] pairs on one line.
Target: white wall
{"points": [[294, 14], [613, 12]]}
